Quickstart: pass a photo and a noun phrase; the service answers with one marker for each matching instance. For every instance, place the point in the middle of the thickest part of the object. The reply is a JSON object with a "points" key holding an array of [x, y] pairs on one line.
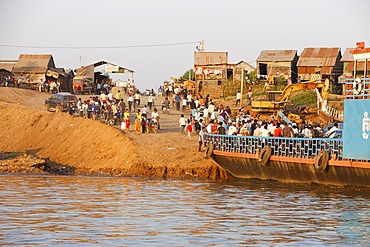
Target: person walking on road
{"points": [[238, 99]]}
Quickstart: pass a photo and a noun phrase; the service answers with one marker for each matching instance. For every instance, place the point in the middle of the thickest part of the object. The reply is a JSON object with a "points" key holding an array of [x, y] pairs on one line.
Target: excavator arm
{"points": [[304, 86]]}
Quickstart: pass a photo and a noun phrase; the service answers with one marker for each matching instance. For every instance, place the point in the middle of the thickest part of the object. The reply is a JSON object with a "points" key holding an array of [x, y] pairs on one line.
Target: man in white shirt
{"points": [[264, 131], [334, 128], [184, 104], [211, 107], [110, 96], [102, 96], [209, 127], [232, 129], [137, 100], [150, 101], [238, 98]]}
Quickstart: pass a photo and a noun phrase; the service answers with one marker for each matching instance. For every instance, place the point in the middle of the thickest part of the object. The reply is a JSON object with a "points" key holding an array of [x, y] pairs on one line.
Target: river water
{"points": [[84, 211]]}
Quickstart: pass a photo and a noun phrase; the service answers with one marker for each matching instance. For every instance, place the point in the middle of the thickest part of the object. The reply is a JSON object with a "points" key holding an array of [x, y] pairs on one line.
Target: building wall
{"points": [[331, 72], [4, 74], [278, 69], [211, 83]]}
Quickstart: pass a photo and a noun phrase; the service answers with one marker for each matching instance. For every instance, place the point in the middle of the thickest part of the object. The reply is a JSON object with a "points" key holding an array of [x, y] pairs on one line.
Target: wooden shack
{"points": [[210, 73], [6, 68], [31, 69], [319, 64], [277, 63]]}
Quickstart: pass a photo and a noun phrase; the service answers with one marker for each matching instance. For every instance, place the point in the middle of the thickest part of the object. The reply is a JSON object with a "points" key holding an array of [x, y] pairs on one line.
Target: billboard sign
{"points": [[111, 68]]}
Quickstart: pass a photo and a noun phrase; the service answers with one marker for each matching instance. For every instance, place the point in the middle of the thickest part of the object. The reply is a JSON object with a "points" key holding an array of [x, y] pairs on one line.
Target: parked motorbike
{"points": [[114, 119], [166, 109], [73, 110], [151, 125]]}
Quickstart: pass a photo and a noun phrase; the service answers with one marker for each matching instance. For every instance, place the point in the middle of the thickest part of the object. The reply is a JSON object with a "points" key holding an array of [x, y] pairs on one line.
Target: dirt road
{"points": [[57, 143]]}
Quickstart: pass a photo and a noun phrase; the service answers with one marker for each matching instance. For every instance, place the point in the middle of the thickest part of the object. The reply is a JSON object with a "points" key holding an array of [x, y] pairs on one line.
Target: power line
{"points": [[99, 47]]}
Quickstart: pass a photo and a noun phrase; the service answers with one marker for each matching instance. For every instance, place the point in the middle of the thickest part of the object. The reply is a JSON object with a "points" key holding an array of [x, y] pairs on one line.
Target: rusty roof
{"points": [[319, 57], [347, 55], [210, 58], [34, 63], [277, 55]]}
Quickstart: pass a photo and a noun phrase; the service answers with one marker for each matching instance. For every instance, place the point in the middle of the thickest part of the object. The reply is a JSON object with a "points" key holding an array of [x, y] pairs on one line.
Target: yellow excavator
{"points": [[279, 104]]}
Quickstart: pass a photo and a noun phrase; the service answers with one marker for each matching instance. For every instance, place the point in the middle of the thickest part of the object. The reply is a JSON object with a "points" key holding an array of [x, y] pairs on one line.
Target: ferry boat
{"points": [[340, 162]]}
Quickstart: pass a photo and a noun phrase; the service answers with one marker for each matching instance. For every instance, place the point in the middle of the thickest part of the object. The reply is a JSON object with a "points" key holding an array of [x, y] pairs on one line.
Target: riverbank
{"points": [[34, 141]]}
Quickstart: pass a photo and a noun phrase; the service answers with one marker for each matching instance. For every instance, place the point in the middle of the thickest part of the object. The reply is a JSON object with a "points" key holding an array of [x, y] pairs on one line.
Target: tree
{"points": [[189, 75], [252, 76]]}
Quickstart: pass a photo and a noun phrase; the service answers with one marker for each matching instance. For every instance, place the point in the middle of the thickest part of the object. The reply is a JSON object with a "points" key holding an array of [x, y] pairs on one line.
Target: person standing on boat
{"points": [[287, 131], [271, 127], [254, 126], [295, 129], [232, 129], [209, 127], [278, 130], [221, 129], [264, 131], [332, 129], [306, 131], [244, 129]]}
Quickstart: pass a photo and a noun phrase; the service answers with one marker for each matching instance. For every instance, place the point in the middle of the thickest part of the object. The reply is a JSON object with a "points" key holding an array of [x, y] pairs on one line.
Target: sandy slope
{"points": [[83, 146]]}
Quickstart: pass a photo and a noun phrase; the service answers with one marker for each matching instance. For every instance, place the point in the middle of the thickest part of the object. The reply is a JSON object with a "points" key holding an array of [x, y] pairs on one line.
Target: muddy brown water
{"points": [[81, 211]]}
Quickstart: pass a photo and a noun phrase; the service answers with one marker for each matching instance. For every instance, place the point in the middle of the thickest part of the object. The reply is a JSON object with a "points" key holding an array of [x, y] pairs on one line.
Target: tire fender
{"points": [[264, 155], [209, 150], [357, 86], [321, 161]]}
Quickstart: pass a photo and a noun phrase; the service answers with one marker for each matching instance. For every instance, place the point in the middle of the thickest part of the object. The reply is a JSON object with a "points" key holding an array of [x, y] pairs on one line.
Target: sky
{"points": [[157, 38]]}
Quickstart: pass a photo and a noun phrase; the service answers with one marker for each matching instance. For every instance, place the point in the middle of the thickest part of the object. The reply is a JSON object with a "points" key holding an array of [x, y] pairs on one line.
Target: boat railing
{"points": [[280, 146], [364, 93]]}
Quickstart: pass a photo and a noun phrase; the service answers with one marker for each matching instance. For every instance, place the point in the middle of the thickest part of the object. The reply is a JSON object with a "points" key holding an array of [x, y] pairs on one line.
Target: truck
{"points": [[83, 85]]}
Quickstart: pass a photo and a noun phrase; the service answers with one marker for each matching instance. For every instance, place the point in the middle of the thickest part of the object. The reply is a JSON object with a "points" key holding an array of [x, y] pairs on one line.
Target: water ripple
{"points": [[126, 211]]}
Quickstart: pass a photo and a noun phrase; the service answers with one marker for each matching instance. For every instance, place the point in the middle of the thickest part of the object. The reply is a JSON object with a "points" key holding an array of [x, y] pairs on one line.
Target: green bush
{"points": [[305, 98]]}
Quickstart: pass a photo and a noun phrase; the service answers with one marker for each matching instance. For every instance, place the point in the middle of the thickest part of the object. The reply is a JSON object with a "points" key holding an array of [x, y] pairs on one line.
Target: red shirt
{"points": [[277, 132]]}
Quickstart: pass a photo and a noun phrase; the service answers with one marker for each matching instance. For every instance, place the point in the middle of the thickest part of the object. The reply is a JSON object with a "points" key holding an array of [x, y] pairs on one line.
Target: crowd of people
{"points": [[113, 109], [206, 117], [199, 115]]}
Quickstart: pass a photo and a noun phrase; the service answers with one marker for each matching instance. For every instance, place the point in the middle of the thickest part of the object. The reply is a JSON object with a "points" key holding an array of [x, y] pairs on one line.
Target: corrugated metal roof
{"points": [[318, 57], [7, 65], [97, 64], [210, 58], [347, 56], [276, 55], [86, 71], [34, 63]]}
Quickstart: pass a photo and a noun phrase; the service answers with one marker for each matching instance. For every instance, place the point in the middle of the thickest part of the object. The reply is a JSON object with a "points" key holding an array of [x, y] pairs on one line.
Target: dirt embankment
{"points": [[40, 142]]}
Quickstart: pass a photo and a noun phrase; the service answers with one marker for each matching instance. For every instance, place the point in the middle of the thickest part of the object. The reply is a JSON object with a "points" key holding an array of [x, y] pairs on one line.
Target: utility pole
{"points": [[241, 87], [202, 50]]}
